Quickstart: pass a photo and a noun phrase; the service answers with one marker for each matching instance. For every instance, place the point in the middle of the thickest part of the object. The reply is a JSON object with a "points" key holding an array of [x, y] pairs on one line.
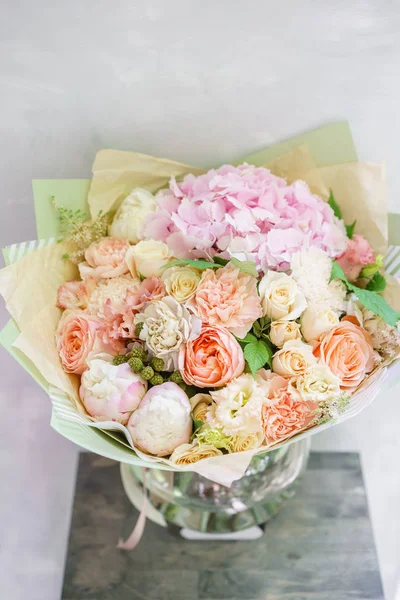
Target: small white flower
{"points": [[281, 298], [127, 223]]}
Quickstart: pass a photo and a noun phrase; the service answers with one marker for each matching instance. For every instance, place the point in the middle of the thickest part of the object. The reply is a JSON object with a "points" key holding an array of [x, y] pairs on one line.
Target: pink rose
{"points": [[211, 360], [227, 298], [75, 294], [358, 253], [105, 259], [79, 336], [283, 415]]}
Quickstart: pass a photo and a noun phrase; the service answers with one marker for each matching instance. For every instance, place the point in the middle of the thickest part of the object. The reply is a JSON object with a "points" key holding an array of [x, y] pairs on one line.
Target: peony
{"points": [[317, 320], [162, 422], [105, 259], [110, 392], [357, 254], [128, 220], [283, 414], [114, 290], [78, 337], [167, 325], [293, 359], [311, 269], [247, 212], [147, 257], [181, 282], [347, 350], [188, 454], [281, 299], [317, 384], [212, 359], [227, 298], [237, 407], [283, 331], [75, 294]]}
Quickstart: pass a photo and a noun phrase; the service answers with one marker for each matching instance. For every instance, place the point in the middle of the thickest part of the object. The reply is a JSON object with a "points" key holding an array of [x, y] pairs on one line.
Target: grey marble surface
{"points": [[320, 546]]}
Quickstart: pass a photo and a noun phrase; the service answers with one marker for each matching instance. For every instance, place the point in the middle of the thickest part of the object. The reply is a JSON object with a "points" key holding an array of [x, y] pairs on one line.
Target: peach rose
{"points": [[227, 298], [212, 359], [358, 253], [80, 336], [348, 352], [75, 294], [105, 259], [284, 415]]}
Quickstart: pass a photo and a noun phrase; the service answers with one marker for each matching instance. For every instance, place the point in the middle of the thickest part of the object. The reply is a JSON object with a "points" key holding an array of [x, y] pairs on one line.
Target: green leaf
{"points": [[198, 264], [249, 337], [377, 283], [257, 354], [350, 229], [197, 424], [245, 266], [337, 272], [257, 328], [220, 261], [334, 205]]}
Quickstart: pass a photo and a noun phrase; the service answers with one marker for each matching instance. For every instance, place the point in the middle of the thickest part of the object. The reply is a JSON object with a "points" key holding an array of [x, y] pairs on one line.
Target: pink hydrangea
{"points": [[246, 212]]}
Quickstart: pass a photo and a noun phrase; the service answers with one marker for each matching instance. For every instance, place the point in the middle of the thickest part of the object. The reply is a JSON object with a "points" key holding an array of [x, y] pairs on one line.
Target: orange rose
{"points": [[105, 259], [79, 336], [212, 359], [348, 352]]}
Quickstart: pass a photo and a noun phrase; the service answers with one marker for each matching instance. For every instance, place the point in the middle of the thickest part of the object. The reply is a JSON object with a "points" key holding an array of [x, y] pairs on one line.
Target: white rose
{"points": [[127, 223], [166, 326], [317, 384], [181, 282], [317, 320], [294, 358], [281, 298], [162, 422], [147, 257], [283, 331]]}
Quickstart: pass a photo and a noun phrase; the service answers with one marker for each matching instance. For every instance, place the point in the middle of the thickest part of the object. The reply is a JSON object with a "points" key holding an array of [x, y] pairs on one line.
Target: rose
{"points": [[347, 350], [128, 220], [166, 326], [105, 259], [75, 294], [187, 454], [317, 320], [212, 359], [281, 299], [162, 422], [317, 384], [147, 257], [358, 253], [110, 392], [181, 282], [199, 404], [283, 331], [293, 359], [240, 443], [78, 336], [227, 298]]}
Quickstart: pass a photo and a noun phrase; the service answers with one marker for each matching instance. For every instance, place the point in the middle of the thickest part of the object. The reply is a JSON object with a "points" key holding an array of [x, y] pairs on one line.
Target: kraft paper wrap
{"points": [[30, 285]]}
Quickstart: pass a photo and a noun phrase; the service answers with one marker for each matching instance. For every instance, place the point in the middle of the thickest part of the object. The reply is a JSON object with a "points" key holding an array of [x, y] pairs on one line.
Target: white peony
{"points": [[281, 297], [166, 326], [127, 223], [109, 289], [293, 359], [162, 422], [283, 331], [147, 258], [316, 384], [317, 320]]}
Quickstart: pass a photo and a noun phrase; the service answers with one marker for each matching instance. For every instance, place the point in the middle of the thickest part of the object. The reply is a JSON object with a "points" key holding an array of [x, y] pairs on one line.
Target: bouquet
{"points": [[195, 322]]}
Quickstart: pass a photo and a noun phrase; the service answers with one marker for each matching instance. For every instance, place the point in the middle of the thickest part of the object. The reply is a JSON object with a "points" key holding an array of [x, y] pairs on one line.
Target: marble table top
{"points": [[320, 546]]}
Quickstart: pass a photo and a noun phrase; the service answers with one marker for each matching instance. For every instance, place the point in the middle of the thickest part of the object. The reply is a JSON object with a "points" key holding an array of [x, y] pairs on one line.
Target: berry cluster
{"points": [[151, 370]]}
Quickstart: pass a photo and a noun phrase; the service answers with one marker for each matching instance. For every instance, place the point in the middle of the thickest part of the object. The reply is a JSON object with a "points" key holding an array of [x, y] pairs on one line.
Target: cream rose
{"points": [[241, 443], [317, 384], [199, 404], [283, 331], [147, 257], [293, 359], [187, 454], [281, 298], [317, 320], [127, 223], [181, 282]]}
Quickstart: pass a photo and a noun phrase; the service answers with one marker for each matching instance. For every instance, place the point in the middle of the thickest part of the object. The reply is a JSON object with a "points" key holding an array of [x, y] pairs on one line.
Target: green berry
{"points": [[147, 373], [138, 329], [157, 364], [157, 379], [119, 360], [136, 364], [183, 386], [176, 377]]}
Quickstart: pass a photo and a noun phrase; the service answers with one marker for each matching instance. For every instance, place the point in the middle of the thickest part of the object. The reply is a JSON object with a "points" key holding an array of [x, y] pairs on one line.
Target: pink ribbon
{"points": [[134, 538]]}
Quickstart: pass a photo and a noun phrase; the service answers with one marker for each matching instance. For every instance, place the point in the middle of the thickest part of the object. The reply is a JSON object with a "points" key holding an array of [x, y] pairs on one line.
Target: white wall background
{"points": [[199, 81]]}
